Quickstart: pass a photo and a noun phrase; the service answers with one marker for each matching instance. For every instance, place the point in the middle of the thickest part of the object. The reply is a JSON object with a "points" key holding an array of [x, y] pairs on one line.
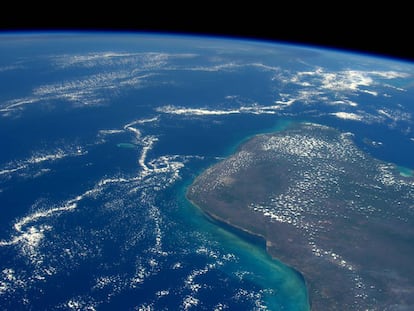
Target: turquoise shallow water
{"points": [[405, 171], [282, 287]]}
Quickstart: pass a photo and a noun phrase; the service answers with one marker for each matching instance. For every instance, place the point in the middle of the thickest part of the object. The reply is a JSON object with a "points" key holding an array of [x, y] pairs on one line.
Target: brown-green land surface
{"points": [[340, 217]]}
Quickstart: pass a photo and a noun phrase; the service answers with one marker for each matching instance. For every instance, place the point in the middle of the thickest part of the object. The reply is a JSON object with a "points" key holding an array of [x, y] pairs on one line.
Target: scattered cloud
{"points": [[21, 167], [139, 61], [119, 71], [343, 80], [348, 116]]}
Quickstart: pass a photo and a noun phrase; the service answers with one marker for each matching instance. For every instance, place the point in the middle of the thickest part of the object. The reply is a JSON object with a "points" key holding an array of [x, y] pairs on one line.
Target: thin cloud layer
{"points": [[117, 72]]}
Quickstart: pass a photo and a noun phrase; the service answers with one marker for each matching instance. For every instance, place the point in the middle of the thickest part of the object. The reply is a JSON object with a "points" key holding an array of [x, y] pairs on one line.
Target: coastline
{"points": [[323, 232], [267, 243]]}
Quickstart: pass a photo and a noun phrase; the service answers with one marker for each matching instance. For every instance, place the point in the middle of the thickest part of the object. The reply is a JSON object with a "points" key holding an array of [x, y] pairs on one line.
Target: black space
{"points": [[381, 30]]}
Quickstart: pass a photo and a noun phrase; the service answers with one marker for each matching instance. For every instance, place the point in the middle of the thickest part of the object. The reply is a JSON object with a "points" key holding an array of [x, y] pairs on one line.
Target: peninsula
{"points": [[341, 218]]}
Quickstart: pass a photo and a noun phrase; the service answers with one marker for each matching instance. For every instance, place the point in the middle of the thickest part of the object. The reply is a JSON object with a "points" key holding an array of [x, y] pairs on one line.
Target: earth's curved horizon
{"points": [[101, 133]]}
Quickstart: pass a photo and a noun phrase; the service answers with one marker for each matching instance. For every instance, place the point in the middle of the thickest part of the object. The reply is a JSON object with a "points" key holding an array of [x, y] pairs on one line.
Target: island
{"points": [[338, 216]]}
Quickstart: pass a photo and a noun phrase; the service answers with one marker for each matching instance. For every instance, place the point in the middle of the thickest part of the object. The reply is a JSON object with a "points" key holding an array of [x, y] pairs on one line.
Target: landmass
{"points": [[340, 217]]}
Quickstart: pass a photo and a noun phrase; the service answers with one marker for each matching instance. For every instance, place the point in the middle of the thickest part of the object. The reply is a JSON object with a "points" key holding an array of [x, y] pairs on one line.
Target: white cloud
{"points": [[195, 111], [349, 80], [110, 132], [389, 74], [343, 80], [231, 65], [344, 102], [395, 114], [383, 112], [40, 157], [373, 93], [247, 109], [119, 71], [139, 61], [10, 68], [217, 67], [81, 92], [347, 116]]}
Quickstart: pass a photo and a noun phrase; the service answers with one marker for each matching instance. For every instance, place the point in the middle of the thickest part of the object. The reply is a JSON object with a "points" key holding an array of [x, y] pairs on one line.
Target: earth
{"points": [[161, 172]]}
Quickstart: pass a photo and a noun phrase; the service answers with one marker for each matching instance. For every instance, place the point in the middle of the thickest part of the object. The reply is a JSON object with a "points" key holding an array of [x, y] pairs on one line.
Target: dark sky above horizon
{"points": [[384, 31]]}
